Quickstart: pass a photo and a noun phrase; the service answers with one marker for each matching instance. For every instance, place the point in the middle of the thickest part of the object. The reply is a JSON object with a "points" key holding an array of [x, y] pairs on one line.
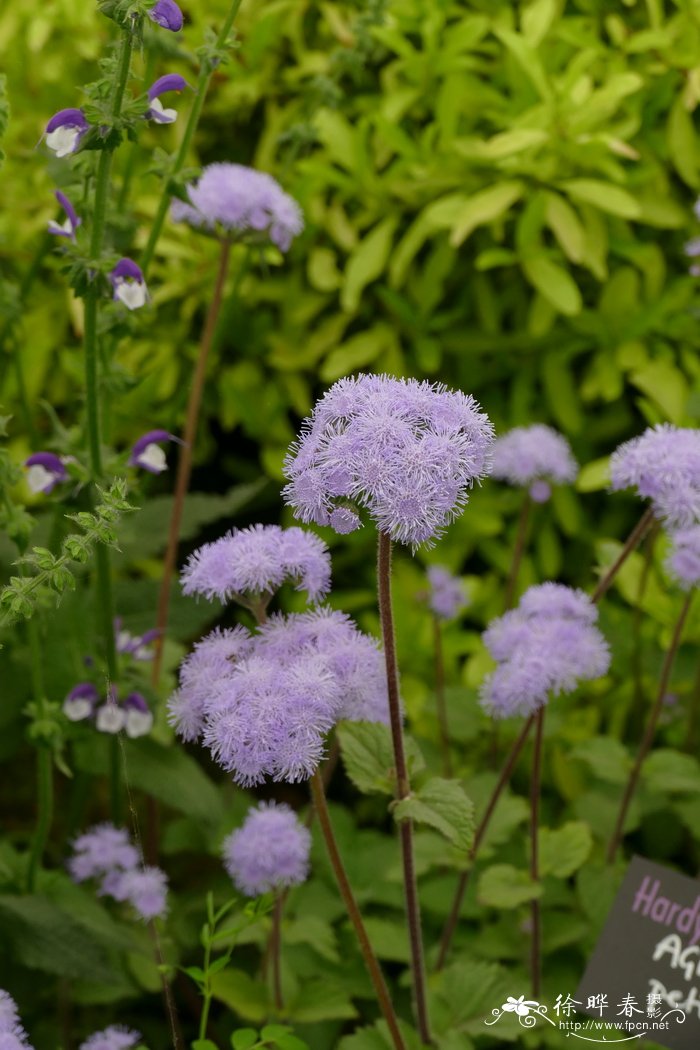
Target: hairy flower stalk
{"points": [[446, 598], [535, 912], [518, 551], [44, 758]]}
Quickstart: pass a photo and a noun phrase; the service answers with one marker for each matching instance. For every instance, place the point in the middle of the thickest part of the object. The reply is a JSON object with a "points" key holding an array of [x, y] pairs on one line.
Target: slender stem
{"points": [[203, 81], [371, 962], [638, 612], [535, 912], [635, 537], [518, 551], [453, 918], [275, 952], [693, 716], [184, 467], [403, 785], [207, 996], [443, 722], [650, 730]]}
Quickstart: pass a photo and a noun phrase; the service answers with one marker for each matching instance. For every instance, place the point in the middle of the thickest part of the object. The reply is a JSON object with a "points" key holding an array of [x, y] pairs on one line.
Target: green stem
{"points": [[203, 81], [44, 762], [206, 991]]}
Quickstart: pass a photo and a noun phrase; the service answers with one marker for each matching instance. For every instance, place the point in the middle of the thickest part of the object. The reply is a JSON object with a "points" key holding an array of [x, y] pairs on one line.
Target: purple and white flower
{"points": [[129, 284], [167, 14], [134, 645], [72, 222], [115, 1037], [269, 851], [45, 470], [147, 453], [65, 130], [170, 82], [138, 716], [111, 716], [80, 703]]}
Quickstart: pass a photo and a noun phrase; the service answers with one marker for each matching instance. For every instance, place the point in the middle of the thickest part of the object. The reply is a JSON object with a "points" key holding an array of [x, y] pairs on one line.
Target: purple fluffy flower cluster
{"points": [[116, 1037], [534, 456], [12, 1034], [406, 451], [269, 851], [683, 559], [264, 702], [663, 465], [446, 596], [256, 561], [243, 202], [546, 646], [106, 853]]}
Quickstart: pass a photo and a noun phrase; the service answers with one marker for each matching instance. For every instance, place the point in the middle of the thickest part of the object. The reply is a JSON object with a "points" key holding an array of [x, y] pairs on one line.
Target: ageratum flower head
{"points": [[407, 452], [256, 561], [663, 465], [146, 889], [269, 852], [45, 470], [683, 558], [101, 850], [534, 456], [242, 203], [170, 82], [446, 596], [115, 1037], [12, 1034], [65, 130], [167, 14], [210, 662], [129, 284], [547, 646], [72, 221], [147, 453]]}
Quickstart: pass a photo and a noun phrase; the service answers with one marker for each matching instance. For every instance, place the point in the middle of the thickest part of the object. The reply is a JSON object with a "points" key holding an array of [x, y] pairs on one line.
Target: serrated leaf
{"points": [[564, 850], [368, 756], [505, 886], [443, 805]]}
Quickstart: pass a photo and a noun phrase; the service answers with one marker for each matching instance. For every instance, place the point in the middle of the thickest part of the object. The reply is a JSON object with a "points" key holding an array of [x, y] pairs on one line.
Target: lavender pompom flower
{"points": [[244, 203], [167, 14], [101, 850], [256, 561], [683, 559], [269, 851], [201, 673], [663, 465], [446, 596], [80, 702], [534, 456], [544, 647], [170, 82], [115, 1037], [147, 453], [12, 1034], [65, 130], [146, 889], [45, 470], [129, 284], [406, 451], [72, 221]]}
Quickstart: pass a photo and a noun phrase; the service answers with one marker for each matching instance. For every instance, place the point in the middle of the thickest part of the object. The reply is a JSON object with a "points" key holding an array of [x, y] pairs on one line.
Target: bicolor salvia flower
{"points": [[132, 715], [547, 646], [45, 470], [12, 1034], [663, 465], [65, 130], [156, 112], [240, 203], [534, 456], [134, 645], [101, 850], [446, 596], [147, 454], [72, 220], [407, 452], [81, 701], [167, 14], [248, 563], [269, 852], [128, 284], [683, 558], [115, 1037]]}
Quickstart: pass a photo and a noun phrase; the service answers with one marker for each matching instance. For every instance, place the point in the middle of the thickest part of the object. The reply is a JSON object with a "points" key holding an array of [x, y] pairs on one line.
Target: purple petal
{"points": [[68, 208], [49, 461], [83, 691], [167, 14], [126, 268], [153, 437], [67, 118], [170, 82], [137, 702]]}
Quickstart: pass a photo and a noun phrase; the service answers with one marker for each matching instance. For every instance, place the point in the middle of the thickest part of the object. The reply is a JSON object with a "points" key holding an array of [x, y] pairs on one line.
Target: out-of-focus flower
{"points": [[544, 647], [269, 851], [210, 661], [138, 719], [446, 596], [129, 284], [534, 456], [72, 222], [65, 130], [116, 1037], [407, 452], [12, 1034], [110, 717], [134, 645], [147, 453], [146, 889], [663, 465], [256, 561], [45, 470], [102, 849], [170, 82], [80, 702], [167, 14], [246, 204], [683, 559]]}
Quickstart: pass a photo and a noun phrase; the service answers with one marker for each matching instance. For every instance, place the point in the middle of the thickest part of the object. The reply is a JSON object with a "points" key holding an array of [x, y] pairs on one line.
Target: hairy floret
{"points": [[663, 465], [683, 559], [269, 851], [534, 456]]}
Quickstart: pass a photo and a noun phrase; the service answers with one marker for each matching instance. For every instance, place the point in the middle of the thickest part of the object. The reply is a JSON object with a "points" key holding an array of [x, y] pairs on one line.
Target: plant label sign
{"points": [[644, 975]]}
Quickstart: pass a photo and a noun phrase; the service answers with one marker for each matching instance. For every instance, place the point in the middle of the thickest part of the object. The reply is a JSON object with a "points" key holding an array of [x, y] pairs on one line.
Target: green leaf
{"points": [[594, 476], [606, 757], [389, 939], [367, 262], [204, 1044], [528, 58], [443, 805], [566, 227], [504, 886], [483, 207], [562, 852], [555, 284], [682, 143], [240, 992], [358, 351], [321, 999], [666, 771], [603, 195], [368, 756], [666, 385], [244, 1038]]}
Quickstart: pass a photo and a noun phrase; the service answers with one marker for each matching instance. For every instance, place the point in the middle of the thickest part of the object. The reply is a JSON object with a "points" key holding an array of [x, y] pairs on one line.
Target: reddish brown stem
{"points": [[535, 913], [633, 540], [518, 551], [371, 962], [650, 730], [453, 918], [440, 698]]}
